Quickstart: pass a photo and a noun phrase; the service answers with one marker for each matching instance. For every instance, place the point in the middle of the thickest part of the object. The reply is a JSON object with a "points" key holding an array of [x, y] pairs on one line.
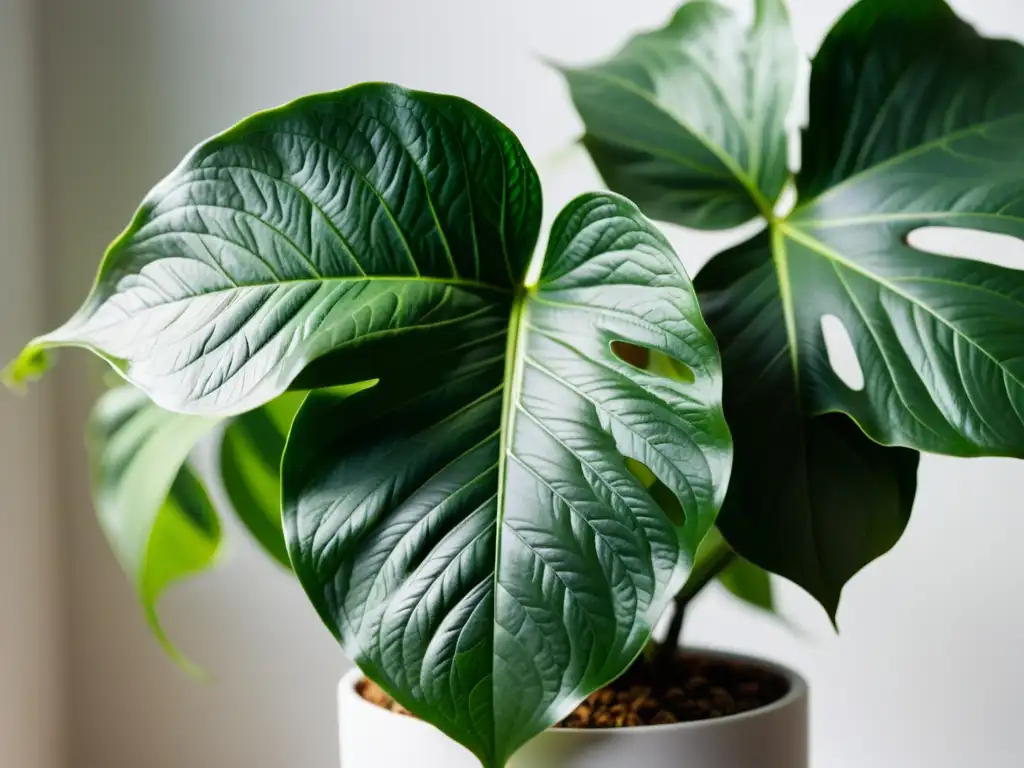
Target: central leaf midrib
{"points": [[512, 386]]}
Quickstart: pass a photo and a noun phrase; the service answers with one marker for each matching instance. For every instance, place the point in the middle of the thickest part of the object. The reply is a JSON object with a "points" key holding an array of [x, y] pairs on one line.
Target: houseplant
{"points": [[914, 122], [455, 492], [892, 167]]}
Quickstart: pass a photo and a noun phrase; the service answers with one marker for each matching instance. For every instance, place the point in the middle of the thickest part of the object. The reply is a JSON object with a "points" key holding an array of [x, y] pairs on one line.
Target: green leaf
{"points": [[472, 533], [467, 524], [933, 116], [811, 498], [689, 120], [915, 121], [749, 583], [370, 215], [250, 467], [152, 508]]}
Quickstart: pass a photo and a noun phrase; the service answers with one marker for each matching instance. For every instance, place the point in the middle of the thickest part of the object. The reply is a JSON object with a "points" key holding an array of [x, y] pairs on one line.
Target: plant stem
{"points": [[703, 573]]}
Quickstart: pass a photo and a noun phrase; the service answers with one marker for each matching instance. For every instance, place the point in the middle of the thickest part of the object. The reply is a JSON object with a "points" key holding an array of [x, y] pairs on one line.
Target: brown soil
{"points": [[697, 688]]}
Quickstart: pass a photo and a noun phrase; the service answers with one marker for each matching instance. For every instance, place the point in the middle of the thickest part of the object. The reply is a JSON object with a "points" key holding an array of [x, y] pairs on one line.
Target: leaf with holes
{"points": [[915, 122], [473, 534], [464, 521], [689, 120], [152, 507], [932, 116]]}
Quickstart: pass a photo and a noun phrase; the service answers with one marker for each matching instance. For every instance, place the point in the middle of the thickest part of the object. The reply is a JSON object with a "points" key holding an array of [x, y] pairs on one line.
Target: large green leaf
{"points": [[466, 523], [473, 534], [372, 214], [932, 118], [154, 511], [811, 497], [915, 121], [689, 120], [250, 467]]}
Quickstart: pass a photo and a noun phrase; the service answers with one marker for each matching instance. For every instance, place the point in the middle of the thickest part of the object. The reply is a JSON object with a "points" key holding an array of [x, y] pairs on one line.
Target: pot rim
{"points": [[797, 692]]}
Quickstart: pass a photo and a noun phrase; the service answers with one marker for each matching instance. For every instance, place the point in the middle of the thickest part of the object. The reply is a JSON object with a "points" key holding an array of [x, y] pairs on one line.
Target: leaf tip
{"points": [[187, 666], [27, 367]]}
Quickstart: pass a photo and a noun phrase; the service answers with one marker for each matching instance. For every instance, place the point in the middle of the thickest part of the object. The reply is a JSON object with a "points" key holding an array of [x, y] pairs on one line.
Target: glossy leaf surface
{"points": [[689, 120], [466, 524], [473, 534], [153, 509], [915, 121], [934, 118], [372, 214]]}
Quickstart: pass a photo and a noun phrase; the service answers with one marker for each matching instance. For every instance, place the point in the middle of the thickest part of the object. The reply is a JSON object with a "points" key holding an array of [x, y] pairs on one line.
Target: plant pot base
{"points": [[774, 736]]}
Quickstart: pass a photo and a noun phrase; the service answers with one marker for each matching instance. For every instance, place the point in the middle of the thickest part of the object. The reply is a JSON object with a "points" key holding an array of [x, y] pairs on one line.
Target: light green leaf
{"points": [[153, 509], [250, 467], [689, 120], [473, 534]]}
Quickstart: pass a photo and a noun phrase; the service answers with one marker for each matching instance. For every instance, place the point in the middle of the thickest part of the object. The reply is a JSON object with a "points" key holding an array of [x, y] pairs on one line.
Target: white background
{"points": [[926, 672]]}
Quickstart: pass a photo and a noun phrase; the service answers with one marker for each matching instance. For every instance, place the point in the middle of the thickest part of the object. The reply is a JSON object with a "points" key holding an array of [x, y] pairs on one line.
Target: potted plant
{"points": [[496, 469], [463, 490]]}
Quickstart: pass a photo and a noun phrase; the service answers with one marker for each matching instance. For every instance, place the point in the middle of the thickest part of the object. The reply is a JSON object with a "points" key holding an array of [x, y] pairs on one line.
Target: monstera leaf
{"points": [[464, 520], [689, 120], [914, 122], [473, 534], [152, 507]]}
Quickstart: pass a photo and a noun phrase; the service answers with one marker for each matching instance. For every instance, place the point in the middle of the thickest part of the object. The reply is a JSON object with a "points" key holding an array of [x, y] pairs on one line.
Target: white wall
{"points": [[927, 670], [30, 640]]}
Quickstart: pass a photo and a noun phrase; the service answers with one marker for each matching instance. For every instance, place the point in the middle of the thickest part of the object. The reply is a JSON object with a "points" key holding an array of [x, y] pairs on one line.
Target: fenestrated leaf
{"points": [[373, 214], [250, 467], [471, 531], [689, 120], [384, 236], [933, 134], [915, 121], [811, 497], [152, 508]]}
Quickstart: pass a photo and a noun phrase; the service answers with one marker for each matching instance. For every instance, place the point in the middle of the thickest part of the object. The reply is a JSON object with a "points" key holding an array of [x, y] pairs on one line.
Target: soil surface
{"points": [[696, 688]]}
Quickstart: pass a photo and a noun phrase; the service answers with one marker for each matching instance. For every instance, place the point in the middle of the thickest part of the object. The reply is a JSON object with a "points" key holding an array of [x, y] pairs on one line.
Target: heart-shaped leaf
{"points": [[372, 214], [689, 120], [466, 523], [153, 509], [473, 534]]}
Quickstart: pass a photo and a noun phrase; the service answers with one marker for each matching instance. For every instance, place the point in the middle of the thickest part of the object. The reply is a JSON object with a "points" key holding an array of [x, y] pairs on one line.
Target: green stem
{"points": [[703, 573]]}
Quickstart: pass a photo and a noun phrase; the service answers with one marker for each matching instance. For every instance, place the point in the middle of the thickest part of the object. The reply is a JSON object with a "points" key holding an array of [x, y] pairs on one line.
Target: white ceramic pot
{"points": [[775, 736]]}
